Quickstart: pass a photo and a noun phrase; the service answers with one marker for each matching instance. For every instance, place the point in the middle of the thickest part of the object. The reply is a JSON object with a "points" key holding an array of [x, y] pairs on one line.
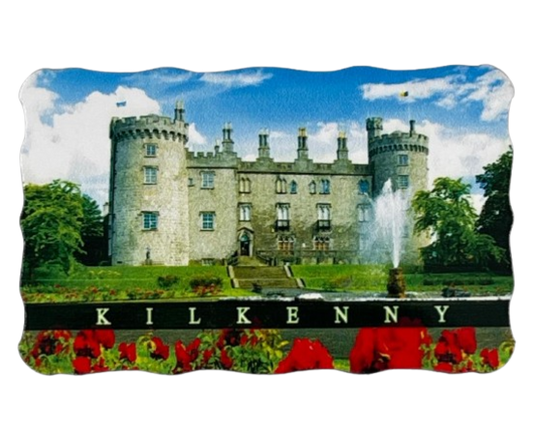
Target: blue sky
{"points": [[464, 111]]}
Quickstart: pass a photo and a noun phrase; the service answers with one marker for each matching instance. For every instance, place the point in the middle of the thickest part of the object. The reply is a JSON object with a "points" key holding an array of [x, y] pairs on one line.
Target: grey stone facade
{"points": [[171, 206]]}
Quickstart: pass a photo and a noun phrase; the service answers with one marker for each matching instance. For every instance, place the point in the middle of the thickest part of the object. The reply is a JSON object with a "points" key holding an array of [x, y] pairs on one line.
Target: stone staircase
{"points": [[263, 277]]}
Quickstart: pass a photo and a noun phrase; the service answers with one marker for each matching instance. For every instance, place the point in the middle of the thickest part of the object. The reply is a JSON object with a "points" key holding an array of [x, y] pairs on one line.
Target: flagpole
{"points": [[406, 94]]}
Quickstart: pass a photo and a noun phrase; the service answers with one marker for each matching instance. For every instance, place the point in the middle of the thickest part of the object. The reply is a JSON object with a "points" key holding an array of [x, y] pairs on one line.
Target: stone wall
{"points": [[221, 242]]}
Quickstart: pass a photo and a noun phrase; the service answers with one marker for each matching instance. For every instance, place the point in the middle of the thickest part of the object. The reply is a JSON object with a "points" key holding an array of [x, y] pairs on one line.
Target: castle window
{"points": [[312, 187], [207, 221], [294, 187], [363, 212], [150, 175], [245, 212], [191, 182], [208, 180], [283, 211], [324, 212], [281, 185], [324, 217], [403, 181], [150, 220], [321, 243], [245, 185], [282, 222], [286, 243], [364, 187], [403, 160], [325, 186], [150, 150]]}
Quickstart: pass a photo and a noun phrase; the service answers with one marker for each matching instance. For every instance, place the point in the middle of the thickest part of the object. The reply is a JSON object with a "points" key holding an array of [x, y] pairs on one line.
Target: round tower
{"points": [[148, 194], [401, 157]]}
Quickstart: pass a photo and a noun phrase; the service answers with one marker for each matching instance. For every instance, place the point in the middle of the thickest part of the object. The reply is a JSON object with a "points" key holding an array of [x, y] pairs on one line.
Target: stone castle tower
{"points": [[401, 157], [171, 206], [148, 189]]}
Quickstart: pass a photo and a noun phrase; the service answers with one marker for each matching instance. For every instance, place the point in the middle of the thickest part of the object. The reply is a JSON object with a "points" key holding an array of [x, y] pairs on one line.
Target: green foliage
{"points": [[447, 214], [167, 281], [496, 218], [205, 286], [52, 220], [94, 246]]}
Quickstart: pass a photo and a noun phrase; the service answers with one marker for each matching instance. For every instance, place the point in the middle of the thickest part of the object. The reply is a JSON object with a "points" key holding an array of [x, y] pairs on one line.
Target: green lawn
{"points": [[126, 283], [374, 278]]}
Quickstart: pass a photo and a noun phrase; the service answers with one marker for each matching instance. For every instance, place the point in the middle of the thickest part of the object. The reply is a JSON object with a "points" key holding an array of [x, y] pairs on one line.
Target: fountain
{"points": [[386, 234]]}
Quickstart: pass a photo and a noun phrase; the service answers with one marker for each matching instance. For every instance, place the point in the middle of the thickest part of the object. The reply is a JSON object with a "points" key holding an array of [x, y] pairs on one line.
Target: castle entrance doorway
{"points": [[245, 245]]}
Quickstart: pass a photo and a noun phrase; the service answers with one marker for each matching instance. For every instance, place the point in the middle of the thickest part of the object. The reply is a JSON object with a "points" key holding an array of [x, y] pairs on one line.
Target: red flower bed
{"points": [[306, 355], [406, 345]]}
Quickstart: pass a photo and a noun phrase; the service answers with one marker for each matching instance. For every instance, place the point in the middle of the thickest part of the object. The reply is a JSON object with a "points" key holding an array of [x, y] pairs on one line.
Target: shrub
{"points": [[166, 281], [206, 286]]}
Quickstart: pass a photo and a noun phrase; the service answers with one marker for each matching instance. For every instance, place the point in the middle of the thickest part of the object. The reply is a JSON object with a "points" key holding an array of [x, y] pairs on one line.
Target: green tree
{"points": [[496, 218], [51, 221], [447, 214], [93, 250]]}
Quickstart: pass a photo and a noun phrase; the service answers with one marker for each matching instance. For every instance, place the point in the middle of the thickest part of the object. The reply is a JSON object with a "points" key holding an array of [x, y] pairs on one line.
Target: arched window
{"points": [[363, 212], [325, 186], [245, 185], [364, 187], [321, 243], [281, 185], [312, 187], [286, 243], [294, 187]]}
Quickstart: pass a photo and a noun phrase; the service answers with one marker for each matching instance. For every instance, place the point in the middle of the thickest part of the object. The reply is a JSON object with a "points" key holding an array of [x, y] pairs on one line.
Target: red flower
{"points": [[454, 345], [490, 357], [50, 342], [466, 339], [82, 365], [225, 360], [305, 355], [159, 349], [192, 349], [85, 344], [182, 357], [208, 354], [128, 351], [445, 367], [231, 337], [100, 366], [447, 348], [105, 337], [378, 349]]}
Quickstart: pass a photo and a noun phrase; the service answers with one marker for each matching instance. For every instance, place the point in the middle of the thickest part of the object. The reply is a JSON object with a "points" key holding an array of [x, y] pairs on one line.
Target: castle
{"points": [[171, 206]]}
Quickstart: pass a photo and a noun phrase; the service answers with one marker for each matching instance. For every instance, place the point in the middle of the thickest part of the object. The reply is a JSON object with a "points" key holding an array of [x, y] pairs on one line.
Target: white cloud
{"points": [[236, 80], [159, 77], [75, 144], [417, 89], [195, 137], [492, 89], [453, 154]]}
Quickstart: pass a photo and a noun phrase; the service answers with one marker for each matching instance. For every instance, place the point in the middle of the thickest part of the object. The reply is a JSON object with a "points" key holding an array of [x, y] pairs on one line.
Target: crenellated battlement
{"points": [[398, 141], [150, 126]]}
